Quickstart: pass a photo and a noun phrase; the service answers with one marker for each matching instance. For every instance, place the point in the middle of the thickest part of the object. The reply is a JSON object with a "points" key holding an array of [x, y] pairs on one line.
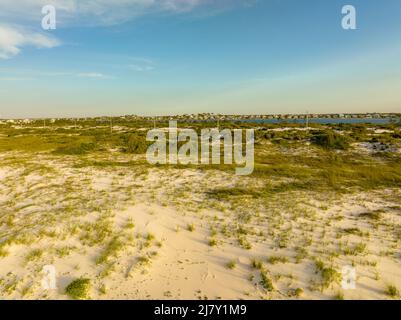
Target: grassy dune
{"points": [[85, 200]]}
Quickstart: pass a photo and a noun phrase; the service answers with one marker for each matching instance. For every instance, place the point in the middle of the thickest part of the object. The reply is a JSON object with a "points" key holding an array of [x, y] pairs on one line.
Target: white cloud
{"points": [[14, 79], [140, 68], [12, 39], [11, 74], [84, 13], [181, 5], [141, 64], [109, 12], [102, 12], [94, 75], [23, 11]]}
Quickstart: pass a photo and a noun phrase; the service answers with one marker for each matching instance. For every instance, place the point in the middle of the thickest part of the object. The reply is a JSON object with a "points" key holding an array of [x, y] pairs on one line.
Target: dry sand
{"points": [[53, 213]]}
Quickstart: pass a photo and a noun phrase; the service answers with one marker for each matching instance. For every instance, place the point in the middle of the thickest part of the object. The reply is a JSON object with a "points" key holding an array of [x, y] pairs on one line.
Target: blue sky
{"points": [[190, 56]]}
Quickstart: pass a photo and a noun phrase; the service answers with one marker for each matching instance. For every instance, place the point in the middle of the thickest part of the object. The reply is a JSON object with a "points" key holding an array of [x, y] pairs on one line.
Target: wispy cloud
{"points": [[104, 12], [12, 39], [141, 65], [93, 75], [20, 74], [14, 79], [139, 68], [22, 16]]}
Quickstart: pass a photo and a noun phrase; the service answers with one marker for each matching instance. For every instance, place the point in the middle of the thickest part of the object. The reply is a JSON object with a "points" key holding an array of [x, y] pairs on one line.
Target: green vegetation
{"points": [[212, 242], [144, 260], [277, 259], [3, 251], [301, 254], [34, 255], [339, 296], [231, 264], [80, 149], [79, 289], [111, 250], [329, 275], [354, 231], [357, 249], [63, 251], [319, 169], [372, 215], [392, 291], [150, 237], [130, 224], [103, 289], [191, 227], [266, 281], [331, 140], [136, 143], [244, 243], [97, 232], [256, 264], [298, 292]]}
